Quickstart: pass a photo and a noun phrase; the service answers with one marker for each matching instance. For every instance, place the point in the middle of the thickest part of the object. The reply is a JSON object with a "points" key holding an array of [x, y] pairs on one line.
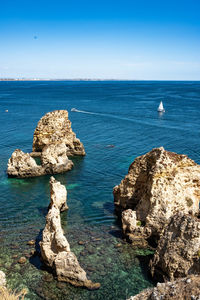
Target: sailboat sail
{"points": [[160, 107]]}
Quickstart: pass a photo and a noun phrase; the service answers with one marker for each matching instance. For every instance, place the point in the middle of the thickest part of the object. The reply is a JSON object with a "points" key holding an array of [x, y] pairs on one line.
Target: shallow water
{"points": [[119, 114]]}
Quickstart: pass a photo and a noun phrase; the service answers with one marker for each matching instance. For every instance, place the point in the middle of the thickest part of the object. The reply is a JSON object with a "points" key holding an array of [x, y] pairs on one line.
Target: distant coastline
{"points": [[90, 79], [64, 79]]}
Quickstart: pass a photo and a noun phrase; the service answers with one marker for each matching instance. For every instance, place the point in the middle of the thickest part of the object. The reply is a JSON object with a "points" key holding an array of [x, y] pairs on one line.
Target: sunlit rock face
{"points": [[22, 165], [181, 289], [178, 251], [55, 249], [54, 159], [2, 279], [55, 128], [158, 185], [58, 194], [53, 142]]}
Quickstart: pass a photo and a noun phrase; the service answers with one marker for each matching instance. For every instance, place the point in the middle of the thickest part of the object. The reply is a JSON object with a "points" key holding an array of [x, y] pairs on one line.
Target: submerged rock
{"points": [[22, 260], [181, 289], [157, 186], [178, 251], [55, 249], [2, 279], [55, 128], [22, 165]]}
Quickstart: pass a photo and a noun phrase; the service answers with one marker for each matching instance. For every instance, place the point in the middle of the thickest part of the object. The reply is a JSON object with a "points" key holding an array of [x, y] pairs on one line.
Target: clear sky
{"points": [[129, 39]]}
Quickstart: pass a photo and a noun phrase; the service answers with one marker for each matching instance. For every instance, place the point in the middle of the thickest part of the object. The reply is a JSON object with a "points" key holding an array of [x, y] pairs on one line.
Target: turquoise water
{"points": [[122, 114]]}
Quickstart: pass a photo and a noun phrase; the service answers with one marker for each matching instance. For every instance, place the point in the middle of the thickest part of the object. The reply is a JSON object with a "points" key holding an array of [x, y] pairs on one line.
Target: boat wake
{"points": [[83, 111], [149, 122]]}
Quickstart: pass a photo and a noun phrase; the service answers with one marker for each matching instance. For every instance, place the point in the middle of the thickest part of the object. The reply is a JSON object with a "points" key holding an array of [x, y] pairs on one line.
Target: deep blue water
{"points": [[123, 114]]}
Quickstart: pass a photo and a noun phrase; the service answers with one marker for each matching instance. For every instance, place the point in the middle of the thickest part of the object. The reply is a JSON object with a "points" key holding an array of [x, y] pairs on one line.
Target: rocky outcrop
{"points": [[178, 251], [181, 289], [58, 194], [22, 165], [135, 233], [54, 159], [55, 128], [2, 279], [55, 249], [53, 141], [158, 185]]}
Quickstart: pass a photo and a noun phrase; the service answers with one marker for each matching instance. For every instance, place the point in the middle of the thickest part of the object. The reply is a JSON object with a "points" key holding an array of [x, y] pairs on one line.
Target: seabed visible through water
{"points": [[123, 123]]}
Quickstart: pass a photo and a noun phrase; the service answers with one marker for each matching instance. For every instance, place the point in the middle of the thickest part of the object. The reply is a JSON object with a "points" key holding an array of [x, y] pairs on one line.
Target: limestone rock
{"points": [[129, 220], [2, 279], [54, 128], [181, 289], [133, 230], [178, 251], [55, 249], [54, 159], [58, 194], [22, 165], [157, 186]]}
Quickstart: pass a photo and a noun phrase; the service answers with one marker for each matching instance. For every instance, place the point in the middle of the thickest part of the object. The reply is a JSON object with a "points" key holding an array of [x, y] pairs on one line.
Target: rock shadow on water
{"points": [[35, 258], [144, 256]]}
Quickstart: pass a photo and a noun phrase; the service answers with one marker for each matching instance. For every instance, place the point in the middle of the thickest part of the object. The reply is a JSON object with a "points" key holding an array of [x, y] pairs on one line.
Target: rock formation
{"points": [[178, 251], [58, 194], [22, 165], [2, 279], [133, 229], [181, 289], [55, 128], [53, 141], [157, 186], [55, 249], [54, 159]]}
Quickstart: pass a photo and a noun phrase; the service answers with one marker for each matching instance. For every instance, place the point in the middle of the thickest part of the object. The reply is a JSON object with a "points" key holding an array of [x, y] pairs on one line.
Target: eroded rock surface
{"points": [[55, 249], [55, 128], [178, 251], [2, 279], [22, 165], [158, 185], [58, 194], [54, 159], [187, 288]]}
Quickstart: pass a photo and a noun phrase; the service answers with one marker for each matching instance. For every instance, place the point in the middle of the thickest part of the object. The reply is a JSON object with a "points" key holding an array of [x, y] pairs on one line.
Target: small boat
{"points": [[160, 107], [74, 109]]}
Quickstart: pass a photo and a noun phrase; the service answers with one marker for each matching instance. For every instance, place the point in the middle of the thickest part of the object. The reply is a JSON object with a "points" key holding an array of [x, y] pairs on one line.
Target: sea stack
{"points": [[54, 128], [55, 249], [158, 185], [22, 165], [53, 142]]}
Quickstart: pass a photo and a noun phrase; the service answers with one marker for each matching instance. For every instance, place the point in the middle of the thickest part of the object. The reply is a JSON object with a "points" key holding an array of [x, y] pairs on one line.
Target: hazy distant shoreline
{"points": [[89, 79], [64, 79]]}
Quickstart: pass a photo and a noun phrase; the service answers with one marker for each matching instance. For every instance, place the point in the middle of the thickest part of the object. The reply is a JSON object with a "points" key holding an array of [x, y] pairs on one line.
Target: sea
{"points": [[116, 121]]}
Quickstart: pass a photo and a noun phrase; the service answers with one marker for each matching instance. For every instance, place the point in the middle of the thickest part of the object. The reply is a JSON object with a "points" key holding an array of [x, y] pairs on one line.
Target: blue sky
{"points": [[143, 39]]}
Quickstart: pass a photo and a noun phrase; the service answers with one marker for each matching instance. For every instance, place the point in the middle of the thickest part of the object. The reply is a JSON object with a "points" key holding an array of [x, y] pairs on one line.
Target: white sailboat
{"points": [[160, 107]]}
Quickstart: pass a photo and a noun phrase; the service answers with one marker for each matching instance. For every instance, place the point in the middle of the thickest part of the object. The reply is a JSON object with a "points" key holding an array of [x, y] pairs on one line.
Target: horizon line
{"points": [[87, 79]]}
